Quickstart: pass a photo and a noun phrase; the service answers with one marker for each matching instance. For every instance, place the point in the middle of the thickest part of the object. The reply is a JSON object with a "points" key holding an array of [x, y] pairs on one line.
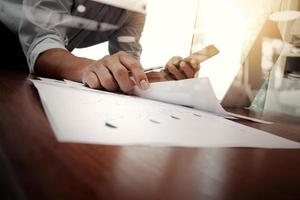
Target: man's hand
{"points": [[176, 68], [120, 71], [179, 68], [113, 73]]}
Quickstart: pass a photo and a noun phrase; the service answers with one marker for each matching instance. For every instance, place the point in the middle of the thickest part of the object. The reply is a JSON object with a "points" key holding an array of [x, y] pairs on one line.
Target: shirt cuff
{"points": [[40, 46]]}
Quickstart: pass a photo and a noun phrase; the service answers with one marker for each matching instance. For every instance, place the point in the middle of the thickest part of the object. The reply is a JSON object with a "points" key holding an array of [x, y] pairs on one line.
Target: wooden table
{"points": [[34, 165]]}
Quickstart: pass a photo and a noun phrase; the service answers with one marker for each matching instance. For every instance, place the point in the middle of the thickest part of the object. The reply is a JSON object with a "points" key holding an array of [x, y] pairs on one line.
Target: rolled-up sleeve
{"points": [[39, 31], [132, 28]]}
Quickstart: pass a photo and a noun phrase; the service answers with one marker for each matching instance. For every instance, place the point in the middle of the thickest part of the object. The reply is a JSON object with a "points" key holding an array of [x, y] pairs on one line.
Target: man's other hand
{"points": [[179, 68]]}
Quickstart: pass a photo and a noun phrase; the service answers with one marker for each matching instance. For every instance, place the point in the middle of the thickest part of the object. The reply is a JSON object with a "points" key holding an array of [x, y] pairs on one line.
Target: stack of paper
{"points": [[80, 114]]}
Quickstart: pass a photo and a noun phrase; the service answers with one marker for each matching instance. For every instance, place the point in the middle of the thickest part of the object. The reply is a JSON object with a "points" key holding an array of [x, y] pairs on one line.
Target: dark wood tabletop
{"points": [[34, 165]]}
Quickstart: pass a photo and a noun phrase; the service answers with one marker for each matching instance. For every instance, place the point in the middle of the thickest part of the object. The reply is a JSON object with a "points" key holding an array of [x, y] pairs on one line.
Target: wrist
{"points": [[75, 68], [61, 64]]}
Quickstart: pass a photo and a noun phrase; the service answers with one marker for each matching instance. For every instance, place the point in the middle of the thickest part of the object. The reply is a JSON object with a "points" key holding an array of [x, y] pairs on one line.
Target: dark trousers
{"points": [[11, 53]]}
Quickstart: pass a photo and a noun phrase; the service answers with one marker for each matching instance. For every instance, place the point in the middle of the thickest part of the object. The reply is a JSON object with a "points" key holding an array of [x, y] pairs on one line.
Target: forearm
{"points": [[61, 64]]}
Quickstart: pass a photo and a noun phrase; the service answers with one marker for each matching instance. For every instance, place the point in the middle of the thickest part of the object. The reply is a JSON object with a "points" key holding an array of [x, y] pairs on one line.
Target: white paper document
{"points": [[79, 114], [196, 93]]}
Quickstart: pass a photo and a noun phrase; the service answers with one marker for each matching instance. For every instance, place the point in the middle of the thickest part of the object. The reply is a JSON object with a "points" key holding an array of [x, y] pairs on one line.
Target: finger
{"points": [[193, 62], [175, 72], [175, 60], [90, 79], [105, 77], [153, 76], [187, 69], [168, 77], [120, 74], [136, 69], [159, 76]]}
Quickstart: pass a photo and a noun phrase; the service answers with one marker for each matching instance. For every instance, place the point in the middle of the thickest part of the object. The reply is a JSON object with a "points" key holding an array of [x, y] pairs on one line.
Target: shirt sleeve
{"points": [[40, 29], [131, 30]]}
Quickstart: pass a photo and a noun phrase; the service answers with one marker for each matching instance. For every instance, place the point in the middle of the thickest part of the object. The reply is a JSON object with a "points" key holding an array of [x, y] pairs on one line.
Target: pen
{"points": [[153, 68]]}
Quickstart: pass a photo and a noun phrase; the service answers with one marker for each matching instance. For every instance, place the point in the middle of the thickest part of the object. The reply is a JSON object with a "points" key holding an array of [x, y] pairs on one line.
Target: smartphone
{"points": [[206, 53]]}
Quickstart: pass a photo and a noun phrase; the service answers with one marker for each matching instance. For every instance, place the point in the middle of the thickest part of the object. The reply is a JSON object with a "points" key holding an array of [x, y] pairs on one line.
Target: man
{"points": [[47, 47]]}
